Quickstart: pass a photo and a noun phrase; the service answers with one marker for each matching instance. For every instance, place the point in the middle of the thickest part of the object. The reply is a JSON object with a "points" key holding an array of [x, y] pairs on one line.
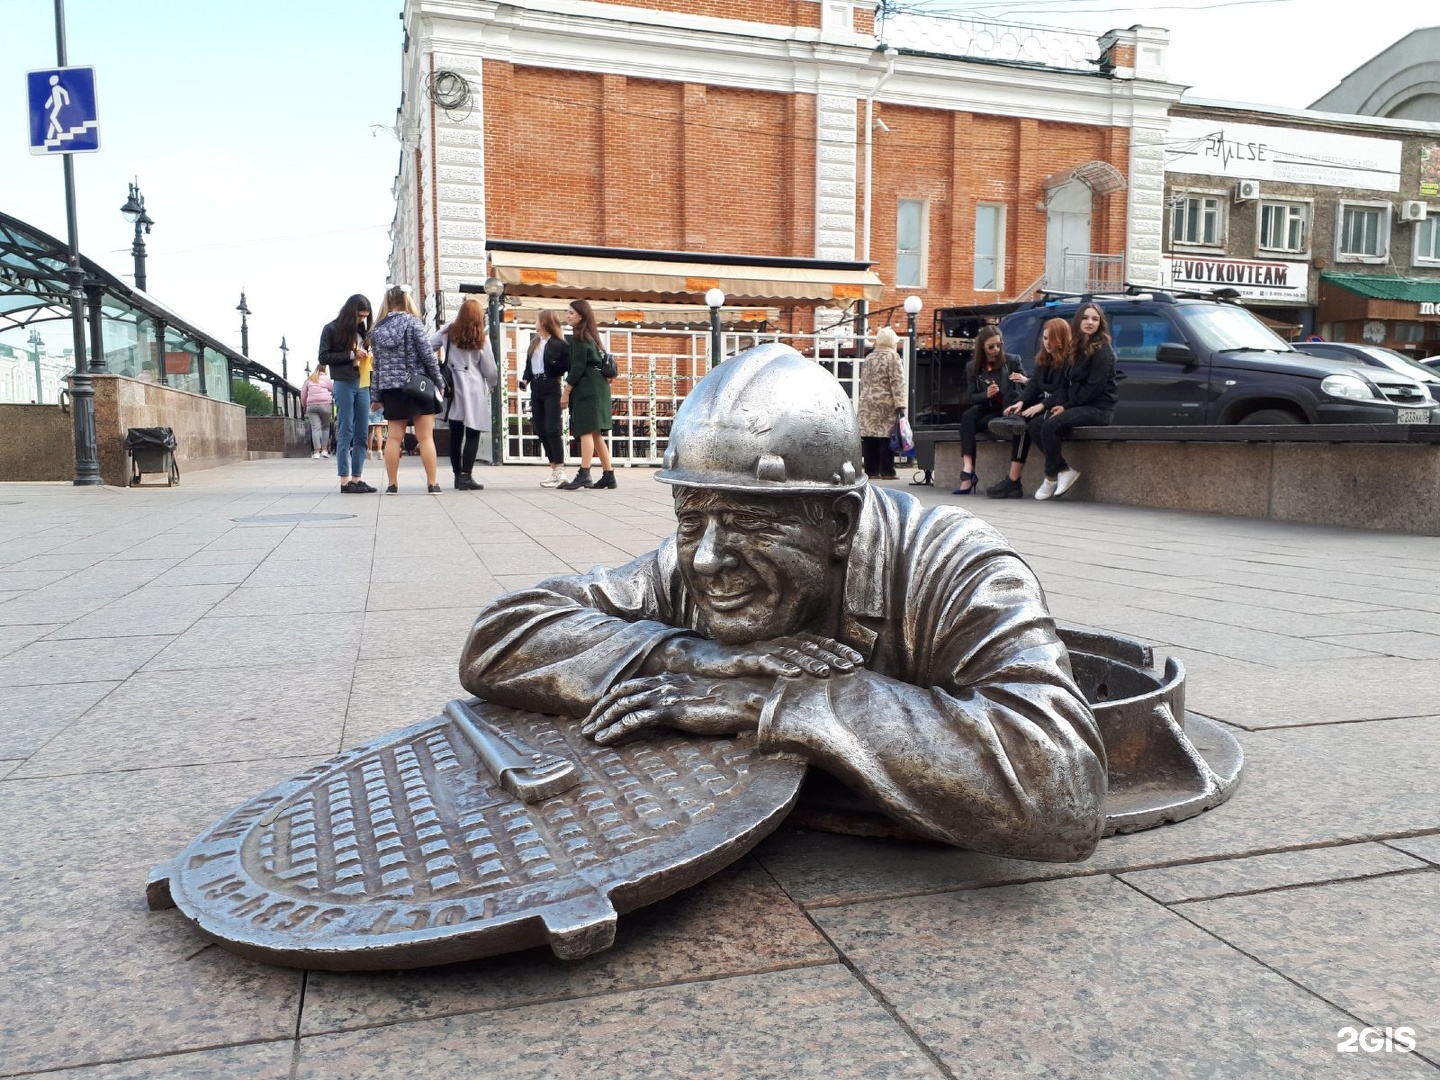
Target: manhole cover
{"points": [[289, 519]]}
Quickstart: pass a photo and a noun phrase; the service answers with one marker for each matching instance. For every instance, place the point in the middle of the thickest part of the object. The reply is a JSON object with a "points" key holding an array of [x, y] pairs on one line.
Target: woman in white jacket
{"points": [[473, 375]]}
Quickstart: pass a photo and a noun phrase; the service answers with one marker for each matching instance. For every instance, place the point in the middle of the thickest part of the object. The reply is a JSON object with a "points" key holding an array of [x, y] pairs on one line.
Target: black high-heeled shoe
{"points": [[974, 480]]}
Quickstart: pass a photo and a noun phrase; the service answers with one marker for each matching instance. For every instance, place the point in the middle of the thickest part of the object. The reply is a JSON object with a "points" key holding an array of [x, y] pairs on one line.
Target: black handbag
{"points": [[1008, 427], [420, 387]]}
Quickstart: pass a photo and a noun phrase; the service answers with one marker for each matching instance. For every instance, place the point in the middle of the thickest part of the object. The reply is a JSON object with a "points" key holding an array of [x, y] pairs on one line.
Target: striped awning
{"points": [[525, 309], [545, 270]]}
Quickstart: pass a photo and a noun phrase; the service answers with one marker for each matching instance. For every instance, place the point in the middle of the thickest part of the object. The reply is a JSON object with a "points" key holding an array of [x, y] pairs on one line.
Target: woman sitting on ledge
{"points": [[1087, 398]]}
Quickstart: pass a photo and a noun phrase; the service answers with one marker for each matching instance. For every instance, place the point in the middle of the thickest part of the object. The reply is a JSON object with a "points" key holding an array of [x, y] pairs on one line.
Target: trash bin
{"points": [[152, 450]]}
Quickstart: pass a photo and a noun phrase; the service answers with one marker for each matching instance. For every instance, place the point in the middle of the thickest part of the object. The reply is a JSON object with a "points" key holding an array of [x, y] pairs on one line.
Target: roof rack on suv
{"points": [[1129, 292]]}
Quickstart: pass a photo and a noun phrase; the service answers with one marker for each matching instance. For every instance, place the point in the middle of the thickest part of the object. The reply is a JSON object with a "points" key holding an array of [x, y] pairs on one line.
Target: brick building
{"points": [[739, 127], [815, 168], [1324, 223]]}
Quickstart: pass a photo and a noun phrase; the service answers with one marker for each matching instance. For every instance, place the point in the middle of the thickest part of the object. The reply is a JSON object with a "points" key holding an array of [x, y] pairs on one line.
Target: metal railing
{"points": [[1087, 272], [658, 368], [989, 39]]}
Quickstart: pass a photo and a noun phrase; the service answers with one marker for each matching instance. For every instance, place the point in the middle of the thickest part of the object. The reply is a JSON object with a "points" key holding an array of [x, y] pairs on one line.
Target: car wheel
{"points": [[1272, 416]]}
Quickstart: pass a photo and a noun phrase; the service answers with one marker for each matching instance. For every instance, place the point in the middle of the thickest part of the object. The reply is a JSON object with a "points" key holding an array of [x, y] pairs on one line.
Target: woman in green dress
{"points": [[587, 394]]}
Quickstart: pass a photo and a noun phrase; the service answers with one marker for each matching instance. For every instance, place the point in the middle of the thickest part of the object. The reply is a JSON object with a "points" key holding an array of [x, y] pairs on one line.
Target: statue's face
{"points": [[757, 567]]}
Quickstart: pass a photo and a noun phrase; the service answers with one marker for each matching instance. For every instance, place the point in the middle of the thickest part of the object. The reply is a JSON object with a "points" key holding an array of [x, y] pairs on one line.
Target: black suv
{"points": [[1182, 360]]}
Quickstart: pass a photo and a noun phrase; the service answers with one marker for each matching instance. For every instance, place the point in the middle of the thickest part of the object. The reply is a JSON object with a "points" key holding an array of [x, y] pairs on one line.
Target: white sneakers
{"points": [[556, 477], [314, 455], [1051, 489]]}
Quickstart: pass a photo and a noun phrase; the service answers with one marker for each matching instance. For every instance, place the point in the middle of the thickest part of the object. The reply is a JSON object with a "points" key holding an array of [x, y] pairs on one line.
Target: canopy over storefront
{"points": [[122, 321], [1381, 287], [619, 313], [630, 275]]}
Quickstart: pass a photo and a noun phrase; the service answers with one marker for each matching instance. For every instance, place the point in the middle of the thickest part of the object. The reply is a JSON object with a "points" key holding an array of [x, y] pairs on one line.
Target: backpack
{"points": [[608, 368]]}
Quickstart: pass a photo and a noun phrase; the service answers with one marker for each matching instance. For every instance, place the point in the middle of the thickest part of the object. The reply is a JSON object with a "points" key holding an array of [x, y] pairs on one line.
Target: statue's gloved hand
{"points": [[704, 706], [796, 654]]}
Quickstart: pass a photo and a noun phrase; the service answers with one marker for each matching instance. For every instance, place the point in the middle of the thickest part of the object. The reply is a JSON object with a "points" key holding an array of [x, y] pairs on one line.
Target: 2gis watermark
{"points": [[1370, 1040]]}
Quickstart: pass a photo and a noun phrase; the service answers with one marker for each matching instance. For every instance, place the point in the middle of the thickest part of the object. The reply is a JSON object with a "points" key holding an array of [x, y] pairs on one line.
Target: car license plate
{"points": [[1413, 416]]}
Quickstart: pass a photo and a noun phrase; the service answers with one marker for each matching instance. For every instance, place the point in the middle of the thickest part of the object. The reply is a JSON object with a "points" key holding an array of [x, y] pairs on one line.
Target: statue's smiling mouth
{"points": [[729, 601]]}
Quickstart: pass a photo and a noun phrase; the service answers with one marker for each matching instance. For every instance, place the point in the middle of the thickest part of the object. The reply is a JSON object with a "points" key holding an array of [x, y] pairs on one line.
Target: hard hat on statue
{"points": [[767, 421]]}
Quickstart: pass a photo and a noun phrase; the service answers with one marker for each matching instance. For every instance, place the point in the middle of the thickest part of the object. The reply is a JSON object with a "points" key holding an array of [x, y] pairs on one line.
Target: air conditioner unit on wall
{"points": [[1247, 190], [1414, 210]]}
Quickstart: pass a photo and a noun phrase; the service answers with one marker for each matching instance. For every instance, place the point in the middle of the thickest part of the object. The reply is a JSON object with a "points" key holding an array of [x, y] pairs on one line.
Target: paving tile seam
{"points": [[1360, 1020], [158, 1056], [1422, 858], [557, 999], [1280, 728], [172, 765], [359, 644], [1295, 885]]}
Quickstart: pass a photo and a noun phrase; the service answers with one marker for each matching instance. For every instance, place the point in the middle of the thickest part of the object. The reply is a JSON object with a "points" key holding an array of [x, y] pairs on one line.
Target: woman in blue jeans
{"points": [[343, 350], [1087, 397]]}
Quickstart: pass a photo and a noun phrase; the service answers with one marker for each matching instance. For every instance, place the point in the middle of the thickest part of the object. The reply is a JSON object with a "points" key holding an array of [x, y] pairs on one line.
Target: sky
{"points": [[256, 131]]}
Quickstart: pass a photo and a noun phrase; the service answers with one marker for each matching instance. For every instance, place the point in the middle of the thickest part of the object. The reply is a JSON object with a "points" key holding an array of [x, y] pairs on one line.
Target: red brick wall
{"points": [[775, 12]]}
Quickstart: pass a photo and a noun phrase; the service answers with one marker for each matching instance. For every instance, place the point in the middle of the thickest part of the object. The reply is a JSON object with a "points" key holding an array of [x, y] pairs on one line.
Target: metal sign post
{"points": [[64, 121]]}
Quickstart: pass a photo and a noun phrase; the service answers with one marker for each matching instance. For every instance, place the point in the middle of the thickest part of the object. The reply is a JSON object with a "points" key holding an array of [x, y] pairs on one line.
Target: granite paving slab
{"points": [[26, 580], [1303, 602], [390, 692], [324, 596], [1424, 847], [150, 609], [188, 573], [90, 974], [1370, 947], [1423, 622], [195, 717], [17, 637], [7, 766], [530, 559], [79, 660], [223, 556], [811, 1022], [691, 936], [255, 640], [73, 561], [1410, 644], [1086, 977], [423, 574], [30, 716], [293, 572], [432, 632], [1260, 873], [251, 1061], [1368, 689], [473, 589]]}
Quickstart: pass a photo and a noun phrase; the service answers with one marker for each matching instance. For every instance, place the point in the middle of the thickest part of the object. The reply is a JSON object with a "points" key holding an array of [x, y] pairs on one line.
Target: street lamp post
{"points": [[494, 294], [134, 212], [285, 361], [37, 343], [244, 325], [913, 304], [715, 300]]}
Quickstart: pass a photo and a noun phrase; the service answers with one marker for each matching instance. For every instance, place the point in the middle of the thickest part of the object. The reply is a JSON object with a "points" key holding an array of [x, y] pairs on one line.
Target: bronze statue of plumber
{"points": [[633, 730], [906, 650]]}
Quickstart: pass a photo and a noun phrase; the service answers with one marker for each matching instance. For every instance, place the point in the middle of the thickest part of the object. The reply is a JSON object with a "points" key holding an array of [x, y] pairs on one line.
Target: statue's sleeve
{"points": [[558, 647], [997, 752]]}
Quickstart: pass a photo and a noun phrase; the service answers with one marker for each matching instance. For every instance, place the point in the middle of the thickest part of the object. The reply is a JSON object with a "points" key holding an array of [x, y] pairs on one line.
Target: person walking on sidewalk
{"points": [[1041, 393], [546, 363], [317, 402], [473, 376], [1087, 398], [344, 352], [882, 403], [402, 347], [587, 394]]}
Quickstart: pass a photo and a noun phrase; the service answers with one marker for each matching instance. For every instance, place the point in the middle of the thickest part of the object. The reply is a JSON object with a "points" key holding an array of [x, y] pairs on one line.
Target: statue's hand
{"points": [[796, 654], [703, 706]]}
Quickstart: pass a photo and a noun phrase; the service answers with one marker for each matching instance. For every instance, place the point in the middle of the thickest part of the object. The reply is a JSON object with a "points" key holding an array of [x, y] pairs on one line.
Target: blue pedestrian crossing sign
{"points": [[64, 116]]}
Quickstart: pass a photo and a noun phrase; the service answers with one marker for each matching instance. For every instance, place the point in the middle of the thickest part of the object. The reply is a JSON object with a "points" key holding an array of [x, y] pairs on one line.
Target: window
{"points": [[989, 247], [1427, 240], [1409, 332], [1197, 220], [1364, 233], [1138, 335], [1282, 227], [910, 247]]}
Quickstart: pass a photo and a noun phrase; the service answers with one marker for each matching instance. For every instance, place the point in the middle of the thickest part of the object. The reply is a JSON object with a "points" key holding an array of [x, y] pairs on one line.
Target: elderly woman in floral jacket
{"points": [[882, 402]]}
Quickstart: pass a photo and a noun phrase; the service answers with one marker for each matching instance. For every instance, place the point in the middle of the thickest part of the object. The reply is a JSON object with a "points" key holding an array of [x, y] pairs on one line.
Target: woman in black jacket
{"points": [[991, 383], [343, 350], [1041, 393], [546, 363], [1087, 398]]}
